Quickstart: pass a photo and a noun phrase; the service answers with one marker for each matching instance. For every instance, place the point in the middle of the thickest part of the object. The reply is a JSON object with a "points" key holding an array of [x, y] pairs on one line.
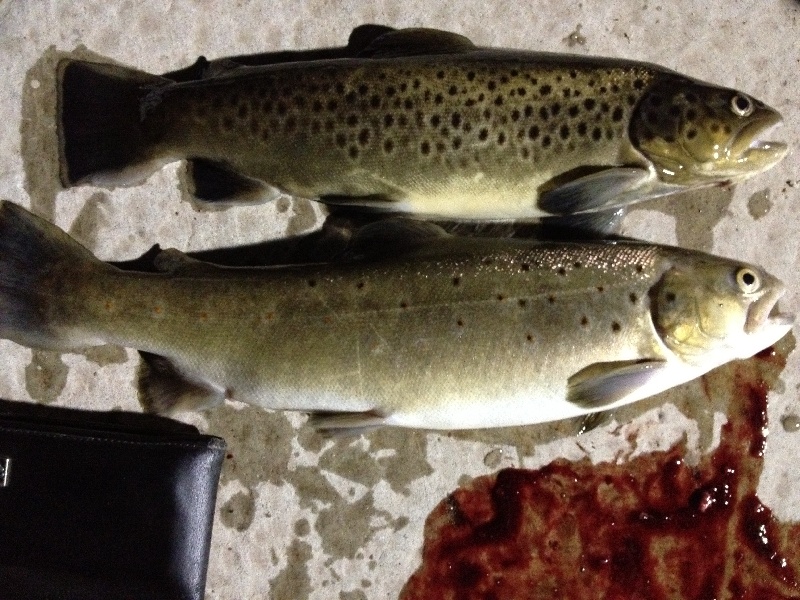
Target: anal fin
{"points": [[164, 390], [218, 184]]}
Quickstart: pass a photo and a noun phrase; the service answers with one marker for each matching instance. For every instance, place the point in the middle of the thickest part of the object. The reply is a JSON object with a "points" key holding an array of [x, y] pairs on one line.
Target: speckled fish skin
{"points": [[464, 133], [451, 333]]}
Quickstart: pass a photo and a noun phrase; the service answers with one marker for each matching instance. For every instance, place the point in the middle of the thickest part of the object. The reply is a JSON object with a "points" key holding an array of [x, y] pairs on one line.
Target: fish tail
{"points": [[100, 133], [41, 268]]}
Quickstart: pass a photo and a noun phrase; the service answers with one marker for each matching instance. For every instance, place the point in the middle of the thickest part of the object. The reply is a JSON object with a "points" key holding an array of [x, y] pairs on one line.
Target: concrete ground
{"points": [[299, 516]]}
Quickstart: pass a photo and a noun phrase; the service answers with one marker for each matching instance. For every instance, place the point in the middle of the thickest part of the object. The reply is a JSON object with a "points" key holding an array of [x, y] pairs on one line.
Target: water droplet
{"points": [[493, 458], [791, 423]]}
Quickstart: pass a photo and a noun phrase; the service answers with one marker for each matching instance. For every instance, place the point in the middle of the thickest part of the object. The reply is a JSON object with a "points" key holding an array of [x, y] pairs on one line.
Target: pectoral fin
{"points": [[417, 42], [601, 223], [392, 236], [603, 384], [218, 184], [164, 390], [346, 424], [609, 189]]}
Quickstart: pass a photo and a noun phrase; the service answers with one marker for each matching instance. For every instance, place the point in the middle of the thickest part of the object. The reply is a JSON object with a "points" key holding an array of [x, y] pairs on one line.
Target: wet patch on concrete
{"points": [[106, 355], [45, 376], [696, 214], [304, 217], [293, 582], [238, 512]]}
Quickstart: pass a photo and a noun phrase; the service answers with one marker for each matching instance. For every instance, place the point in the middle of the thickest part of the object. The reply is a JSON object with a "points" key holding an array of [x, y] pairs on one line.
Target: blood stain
{"points": [[654, 527]]}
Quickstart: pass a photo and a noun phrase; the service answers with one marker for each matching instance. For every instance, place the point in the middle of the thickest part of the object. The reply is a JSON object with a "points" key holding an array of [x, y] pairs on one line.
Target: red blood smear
{"points": [[653, 528]]}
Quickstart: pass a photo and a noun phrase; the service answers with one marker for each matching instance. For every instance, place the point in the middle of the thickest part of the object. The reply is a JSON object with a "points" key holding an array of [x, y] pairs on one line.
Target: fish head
{"points": [[698, 134], [710, 309]]}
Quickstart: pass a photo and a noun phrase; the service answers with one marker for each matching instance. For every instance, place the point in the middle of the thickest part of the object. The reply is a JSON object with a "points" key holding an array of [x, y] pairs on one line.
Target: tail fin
{"points": [[100, 135], [39, 268]]}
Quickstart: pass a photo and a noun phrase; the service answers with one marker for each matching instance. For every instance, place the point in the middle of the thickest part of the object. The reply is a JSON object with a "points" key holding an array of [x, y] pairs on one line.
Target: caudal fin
{"points": [[40, 269], [100, 136]]}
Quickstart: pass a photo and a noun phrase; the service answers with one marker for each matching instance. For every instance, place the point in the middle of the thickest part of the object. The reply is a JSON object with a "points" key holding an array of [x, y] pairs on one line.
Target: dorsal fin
{"points": [[363, 35], [417, 42]]}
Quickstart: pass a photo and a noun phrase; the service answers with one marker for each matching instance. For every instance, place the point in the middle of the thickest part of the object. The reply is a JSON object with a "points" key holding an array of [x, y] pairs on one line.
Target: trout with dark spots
{"points": [[443, 332], [418, 121]]}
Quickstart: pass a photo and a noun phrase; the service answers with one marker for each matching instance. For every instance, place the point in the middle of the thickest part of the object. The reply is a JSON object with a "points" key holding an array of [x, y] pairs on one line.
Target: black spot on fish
{"points": [[639, 268], [545, 89], [416, 84], [670, 139], [408, 104], [589, 104], [605, 107], [402, 120], [363, 89], [363, 137], [484, 134], [403, 86], [455, 119], [353, 152], [341, 140], [467, 127], [582, 128], [500, 297], [491, 85], [453, 90], [352, 120], [445, 132], [340, 88], [714, 128], [564, 132], [631, 100], [375, 101], [603, 89], [691, 98], [522, 91], [291, 124], [440, 75], [351, 97], [501, 138], [574, 110], [691, 134], [529, 337], [498, 101], [525, 266], [438, 99], [546, 141], [551, 299], [460, 322], [456, 143], [316, 126], [440, 147], [533, 132], [435, 120], [332, 105], [609, 134], [515, 115], [388, 120], [522, 302], [555, 109], [316, 106], [456, 281], [573, 74], [391, 91], [227, 123], [528, 110], [312, 283], [404, 304], [562, 271], [584, 321], [525, 153], [360, 285], [388, 146], [425, 148], [616, 327], [590, 83], [487, 114], [691, 115], [675, 110], [597, 134], [633, 298], [638, 84], [471, 75], [543, 113], [617, 114]]}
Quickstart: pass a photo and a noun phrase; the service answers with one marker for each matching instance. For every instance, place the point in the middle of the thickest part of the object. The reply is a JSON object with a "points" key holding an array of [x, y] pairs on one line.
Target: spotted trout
{"points": [[418, 121], [444, 332]]}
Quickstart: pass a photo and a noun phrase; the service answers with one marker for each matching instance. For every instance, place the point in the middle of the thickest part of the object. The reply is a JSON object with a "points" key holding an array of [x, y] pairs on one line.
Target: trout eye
{"points": [[741, 105], [748, 280]]}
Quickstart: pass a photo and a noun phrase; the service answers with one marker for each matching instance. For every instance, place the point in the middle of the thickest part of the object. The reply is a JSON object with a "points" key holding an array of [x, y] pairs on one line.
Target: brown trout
{"points": [[418, 121], [443, 332]]}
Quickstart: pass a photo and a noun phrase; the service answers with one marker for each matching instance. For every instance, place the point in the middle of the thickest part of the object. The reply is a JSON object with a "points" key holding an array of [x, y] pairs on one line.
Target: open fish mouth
{"points": [[764, 313], [750, 147]]}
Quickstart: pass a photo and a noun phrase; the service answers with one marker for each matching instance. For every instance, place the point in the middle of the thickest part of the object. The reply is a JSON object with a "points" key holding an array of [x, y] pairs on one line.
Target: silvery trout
{"points": [[441, 332], [418, 121]]}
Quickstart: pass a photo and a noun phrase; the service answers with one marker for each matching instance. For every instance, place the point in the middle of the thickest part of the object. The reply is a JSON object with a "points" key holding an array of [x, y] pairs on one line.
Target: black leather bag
{"points": [[104, 505]]}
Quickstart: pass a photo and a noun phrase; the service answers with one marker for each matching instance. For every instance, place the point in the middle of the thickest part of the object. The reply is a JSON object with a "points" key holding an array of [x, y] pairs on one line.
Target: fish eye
{"points": [[741, 105], [748, 280]]}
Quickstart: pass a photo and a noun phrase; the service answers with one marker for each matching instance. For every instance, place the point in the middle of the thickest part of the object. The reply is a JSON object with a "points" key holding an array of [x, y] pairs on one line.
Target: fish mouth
{"points": [[750, 149], [764, 314]]}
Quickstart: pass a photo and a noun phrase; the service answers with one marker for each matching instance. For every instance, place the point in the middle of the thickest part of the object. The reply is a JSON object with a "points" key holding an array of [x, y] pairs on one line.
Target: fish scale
{"points": [[418, 121]]}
